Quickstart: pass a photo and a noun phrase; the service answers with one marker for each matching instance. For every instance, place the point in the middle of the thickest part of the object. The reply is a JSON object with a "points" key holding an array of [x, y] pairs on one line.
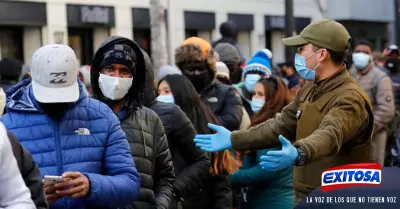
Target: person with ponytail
{"points": [[215, 193], [265, 189]]}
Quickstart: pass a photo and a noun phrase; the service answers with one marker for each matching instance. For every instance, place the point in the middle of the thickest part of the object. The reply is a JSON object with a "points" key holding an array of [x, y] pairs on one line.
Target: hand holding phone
{"points": [[52, 179], [49, 188]]}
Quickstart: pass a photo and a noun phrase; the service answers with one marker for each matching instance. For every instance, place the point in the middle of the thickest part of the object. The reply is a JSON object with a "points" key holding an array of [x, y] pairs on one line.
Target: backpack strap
{"points": [[17, 149]]}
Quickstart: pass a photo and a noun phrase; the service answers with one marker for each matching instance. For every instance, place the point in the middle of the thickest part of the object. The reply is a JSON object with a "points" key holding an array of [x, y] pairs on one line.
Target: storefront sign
{"points": [[95, 15], [199, 20], [88, 15], [278, 23], [242, 21]]}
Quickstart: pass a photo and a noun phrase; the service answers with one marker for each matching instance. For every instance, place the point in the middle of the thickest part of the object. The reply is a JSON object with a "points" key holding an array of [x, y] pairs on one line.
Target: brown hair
{"points": [[277, 96], [221, 162]]}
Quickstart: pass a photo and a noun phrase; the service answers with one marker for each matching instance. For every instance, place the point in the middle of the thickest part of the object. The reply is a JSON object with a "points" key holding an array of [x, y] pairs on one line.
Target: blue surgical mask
{"points": [[250, 82], [301, 67], [166, 99], [360, 60], [257, 104]]}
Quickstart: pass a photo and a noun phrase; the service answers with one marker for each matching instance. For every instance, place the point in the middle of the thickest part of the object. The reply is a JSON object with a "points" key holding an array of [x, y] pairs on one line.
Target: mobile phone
{"points": [[52, 179]]}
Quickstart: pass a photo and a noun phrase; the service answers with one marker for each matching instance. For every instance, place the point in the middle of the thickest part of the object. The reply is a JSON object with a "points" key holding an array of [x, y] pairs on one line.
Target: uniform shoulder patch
{"points": [[388, 98]]}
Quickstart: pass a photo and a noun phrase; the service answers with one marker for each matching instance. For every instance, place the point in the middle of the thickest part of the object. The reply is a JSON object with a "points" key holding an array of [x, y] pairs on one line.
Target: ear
{"points": [[324, 55]]}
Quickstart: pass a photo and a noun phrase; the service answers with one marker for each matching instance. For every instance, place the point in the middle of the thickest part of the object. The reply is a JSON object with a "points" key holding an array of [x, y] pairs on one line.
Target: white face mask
{"points": [[114, 88]]}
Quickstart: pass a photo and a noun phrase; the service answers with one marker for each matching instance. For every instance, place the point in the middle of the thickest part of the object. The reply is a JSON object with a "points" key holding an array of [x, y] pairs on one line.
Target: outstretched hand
{"points": [[214, 142], [280, 159]]}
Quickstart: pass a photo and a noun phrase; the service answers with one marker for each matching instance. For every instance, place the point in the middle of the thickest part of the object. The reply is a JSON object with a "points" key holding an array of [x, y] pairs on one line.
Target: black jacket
{"points": [[145, 134], [30, 172], [191, 163], [215, 193], [149, 147], [223, 101]]}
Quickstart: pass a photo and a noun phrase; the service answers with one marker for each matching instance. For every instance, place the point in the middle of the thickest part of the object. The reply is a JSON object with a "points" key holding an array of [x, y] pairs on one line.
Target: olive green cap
{"points": [[323, 33]]}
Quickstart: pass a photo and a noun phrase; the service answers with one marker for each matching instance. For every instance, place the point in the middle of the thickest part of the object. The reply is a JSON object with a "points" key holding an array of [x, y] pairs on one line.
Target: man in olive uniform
{"points": [[330, 121]]}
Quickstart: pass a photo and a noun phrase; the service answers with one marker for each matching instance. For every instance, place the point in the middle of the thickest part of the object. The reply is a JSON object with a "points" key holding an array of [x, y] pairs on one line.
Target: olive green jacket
{"points": [[331, 120]]}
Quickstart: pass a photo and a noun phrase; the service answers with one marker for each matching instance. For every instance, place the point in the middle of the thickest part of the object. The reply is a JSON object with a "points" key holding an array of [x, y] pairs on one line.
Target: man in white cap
{"points": [[71, 135]]}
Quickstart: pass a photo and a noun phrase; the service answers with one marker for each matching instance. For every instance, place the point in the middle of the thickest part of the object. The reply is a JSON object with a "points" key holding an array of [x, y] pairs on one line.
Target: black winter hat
{"points": [[119, 54]]}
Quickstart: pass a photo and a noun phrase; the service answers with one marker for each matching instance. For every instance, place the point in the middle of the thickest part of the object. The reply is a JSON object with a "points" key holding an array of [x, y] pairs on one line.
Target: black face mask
{"points": [[392, 65], [200, 80], [235, 77], [235, 72], [55, 110]]}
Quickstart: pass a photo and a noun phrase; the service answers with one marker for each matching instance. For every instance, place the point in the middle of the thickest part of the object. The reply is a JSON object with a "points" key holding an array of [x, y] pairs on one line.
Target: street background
{"points": [[84, 24]]}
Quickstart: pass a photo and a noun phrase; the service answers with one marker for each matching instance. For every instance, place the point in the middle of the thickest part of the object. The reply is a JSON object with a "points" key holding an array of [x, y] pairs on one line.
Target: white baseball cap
{"points": [[54, 74]]}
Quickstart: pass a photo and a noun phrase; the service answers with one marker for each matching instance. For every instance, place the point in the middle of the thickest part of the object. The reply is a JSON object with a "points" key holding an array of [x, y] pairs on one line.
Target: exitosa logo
{"points": [[364, 174]]}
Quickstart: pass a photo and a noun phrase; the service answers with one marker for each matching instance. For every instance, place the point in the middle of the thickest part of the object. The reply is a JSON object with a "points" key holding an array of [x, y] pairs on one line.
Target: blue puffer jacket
{"points": [[88, 139]]}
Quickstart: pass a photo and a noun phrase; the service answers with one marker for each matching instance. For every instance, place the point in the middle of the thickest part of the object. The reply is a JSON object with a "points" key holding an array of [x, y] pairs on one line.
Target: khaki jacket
{"points": [[384, 109], [331, 120]]}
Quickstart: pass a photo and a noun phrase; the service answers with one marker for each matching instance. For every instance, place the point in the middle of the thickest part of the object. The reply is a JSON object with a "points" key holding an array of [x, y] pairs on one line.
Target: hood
{"points": [[167, 70], [134, 96], [228, 30], [150, 90], [20, 97]]}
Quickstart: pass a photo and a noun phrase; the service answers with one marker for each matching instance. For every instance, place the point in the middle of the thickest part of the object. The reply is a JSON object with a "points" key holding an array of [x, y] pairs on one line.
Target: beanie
{"points": [[267, 52], [167, 70], [222, 69], [260, 62], [227, 53], [119, 54]]}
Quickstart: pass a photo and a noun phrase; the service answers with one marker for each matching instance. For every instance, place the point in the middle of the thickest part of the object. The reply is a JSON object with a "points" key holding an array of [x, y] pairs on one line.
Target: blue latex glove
{"points": [[280, 159], [214, 142]]}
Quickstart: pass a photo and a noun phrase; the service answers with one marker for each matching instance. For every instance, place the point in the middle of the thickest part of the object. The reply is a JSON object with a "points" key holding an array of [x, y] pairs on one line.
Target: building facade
{"points": [[28, 24], [365, 19]]}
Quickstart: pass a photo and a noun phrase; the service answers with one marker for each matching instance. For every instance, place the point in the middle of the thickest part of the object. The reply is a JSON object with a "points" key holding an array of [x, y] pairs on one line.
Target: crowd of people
{"points": [[210, 131]]}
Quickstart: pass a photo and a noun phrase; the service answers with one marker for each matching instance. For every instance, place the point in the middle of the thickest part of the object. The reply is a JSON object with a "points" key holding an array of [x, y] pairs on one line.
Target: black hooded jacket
{"points": [[145, 134], [191, 163]]}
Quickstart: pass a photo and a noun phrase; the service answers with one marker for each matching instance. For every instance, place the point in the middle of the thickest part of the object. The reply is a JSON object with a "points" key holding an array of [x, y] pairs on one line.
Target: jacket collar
{"points": [[20, 97], [208, 87], [328, 84]]}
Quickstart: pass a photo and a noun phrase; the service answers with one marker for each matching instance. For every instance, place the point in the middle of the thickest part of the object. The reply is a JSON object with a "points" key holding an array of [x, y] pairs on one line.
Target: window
{"points": [[81, 41], [191, 33], [143, 38], [11, 44]]}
